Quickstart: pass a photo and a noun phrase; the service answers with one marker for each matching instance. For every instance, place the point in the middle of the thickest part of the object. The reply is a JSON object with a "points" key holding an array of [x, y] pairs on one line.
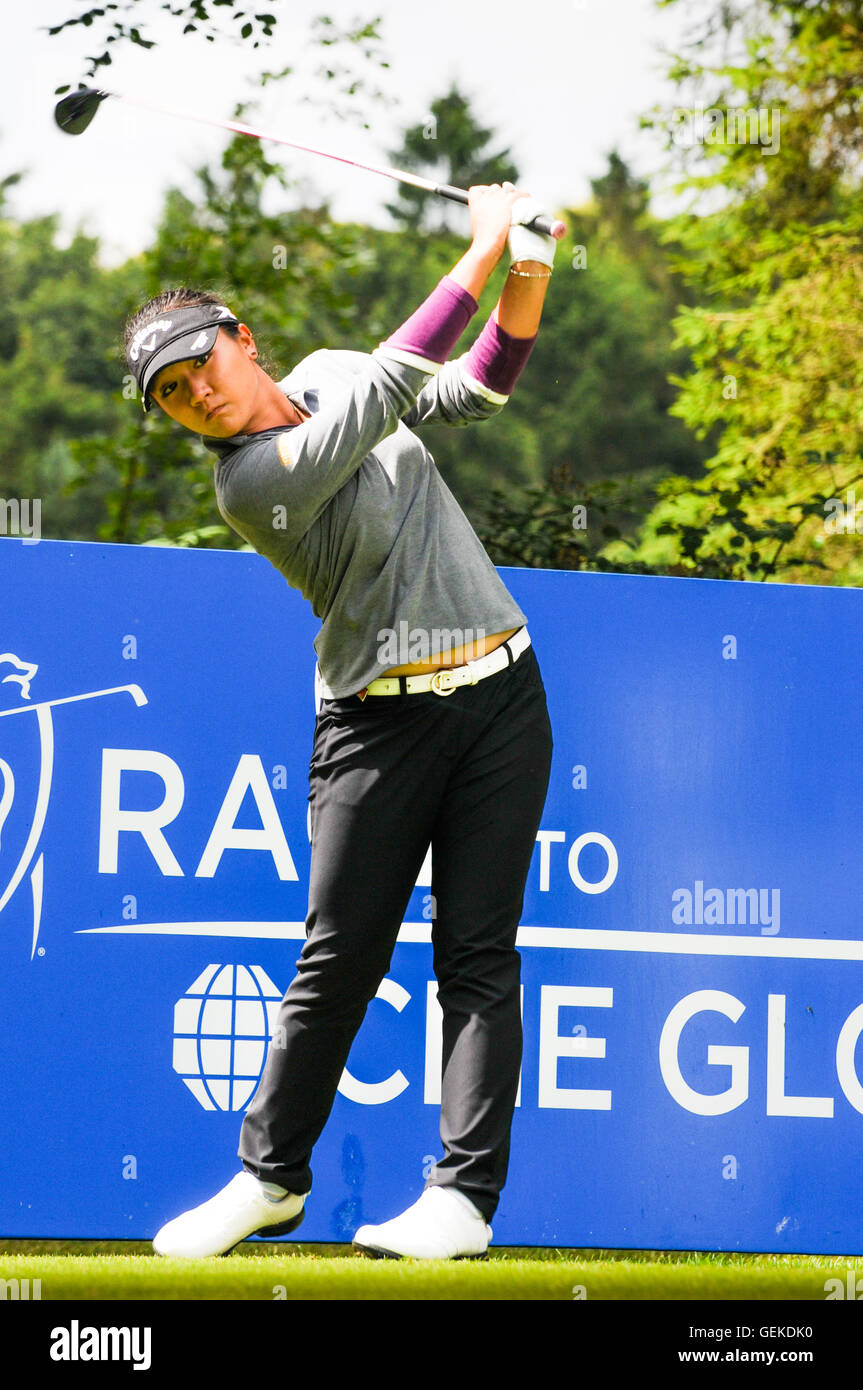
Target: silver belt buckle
{"points": [[436, 687]]}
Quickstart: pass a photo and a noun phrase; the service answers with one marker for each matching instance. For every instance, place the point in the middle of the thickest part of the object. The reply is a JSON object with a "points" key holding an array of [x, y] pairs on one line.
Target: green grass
{"points": [[128, 1270]]}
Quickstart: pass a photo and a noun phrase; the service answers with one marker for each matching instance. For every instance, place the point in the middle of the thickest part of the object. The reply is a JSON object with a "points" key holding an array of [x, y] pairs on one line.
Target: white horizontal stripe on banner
{"points": [[565, 938]]}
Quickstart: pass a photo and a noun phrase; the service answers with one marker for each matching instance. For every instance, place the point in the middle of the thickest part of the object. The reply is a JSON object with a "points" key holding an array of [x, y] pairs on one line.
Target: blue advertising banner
{"points": [[692, 937]]}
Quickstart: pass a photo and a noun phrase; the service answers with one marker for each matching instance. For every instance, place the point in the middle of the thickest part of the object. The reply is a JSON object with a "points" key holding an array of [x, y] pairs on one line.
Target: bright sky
{"points": [[561, 82]]}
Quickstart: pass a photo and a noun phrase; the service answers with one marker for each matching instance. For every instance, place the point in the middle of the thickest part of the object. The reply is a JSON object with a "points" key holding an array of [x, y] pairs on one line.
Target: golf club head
{"points": [[75, 112]]}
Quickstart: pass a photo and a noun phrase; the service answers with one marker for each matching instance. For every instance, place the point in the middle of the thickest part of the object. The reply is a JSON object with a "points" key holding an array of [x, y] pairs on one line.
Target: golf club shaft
{"points": [[550, 226]]}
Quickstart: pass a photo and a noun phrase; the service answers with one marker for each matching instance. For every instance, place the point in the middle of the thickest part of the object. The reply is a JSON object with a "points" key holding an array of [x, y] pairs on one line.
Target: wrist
{"points": [[489, 252], [532, 270]]}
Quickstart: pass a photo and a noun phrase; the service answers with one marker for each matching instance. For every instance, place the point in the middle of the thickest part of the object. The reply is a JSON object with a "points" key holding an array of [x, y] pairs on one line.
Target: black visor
{"points": [[174, 336]]}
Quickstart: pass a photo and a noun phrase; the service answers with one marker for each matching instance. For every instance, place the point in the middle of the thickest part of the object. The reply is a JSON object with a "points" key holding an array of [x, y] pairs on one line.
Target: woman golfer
{"points": [[431, 726]]}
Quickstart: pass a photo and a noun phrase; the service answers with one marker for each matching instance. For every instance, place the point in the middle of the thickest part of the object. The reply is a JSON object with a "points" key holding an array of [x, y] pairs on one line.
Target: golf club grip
{"points": [[549, 225]]}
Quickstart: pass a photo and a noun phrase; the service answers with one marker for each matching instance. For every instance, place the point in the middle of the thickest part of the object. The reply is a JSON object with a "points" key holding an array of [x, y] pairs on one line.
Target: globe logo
{"points": [[222, 1026]]}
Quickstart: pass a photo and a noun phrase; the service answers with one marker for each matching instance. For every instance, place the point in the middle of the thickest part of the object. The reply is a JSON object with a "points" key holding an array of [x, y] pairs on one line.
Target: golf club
{"points": [[74, 113]]}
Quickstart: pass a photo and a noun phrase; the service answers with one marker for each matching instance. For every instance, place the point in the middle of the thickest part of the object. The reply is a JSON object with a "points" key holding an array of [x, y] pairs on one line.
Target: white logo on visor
{"points": [[200, 341], [145, 338]]}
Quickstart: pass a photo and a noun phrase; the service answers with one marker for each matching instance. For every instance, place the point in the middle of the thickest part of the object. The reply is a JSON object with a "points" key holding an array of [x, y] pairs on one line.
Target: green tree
{"points": [[777, 270], [57, 377], [449, 146]]}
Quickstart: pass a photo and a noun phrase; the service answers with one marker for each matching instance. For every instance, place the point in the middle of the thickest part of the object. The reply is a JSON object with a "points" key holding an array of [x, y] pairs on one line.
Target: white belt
{"points": [[443, 681]]}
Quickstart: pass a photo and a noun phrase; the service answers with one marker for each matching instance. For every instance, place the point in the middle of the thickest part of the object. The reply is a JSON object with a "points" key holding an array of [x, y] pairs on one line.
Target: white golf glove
{"points": [[527, 245]]}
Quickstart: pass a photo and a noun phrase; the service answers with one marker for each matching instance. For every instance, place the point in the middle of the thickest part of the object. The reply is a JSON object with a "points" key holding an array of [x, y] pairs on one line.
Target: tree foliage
{"points": [[347, 53], [449, 146], [57, 367], [777, 270]]}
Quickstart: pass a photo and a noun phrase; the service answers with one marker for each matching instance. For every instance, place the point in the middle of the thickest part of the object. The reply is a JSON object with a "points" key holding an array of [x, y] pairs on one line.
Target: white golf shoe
{"points": [[240, 1210], [443, 1224]]}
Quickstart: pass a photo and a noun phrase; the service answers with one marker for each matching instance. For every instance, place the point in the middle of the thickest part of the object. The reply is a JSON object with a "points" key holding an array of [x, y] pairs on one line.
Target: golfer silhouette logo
{"points": [[21, 675]]}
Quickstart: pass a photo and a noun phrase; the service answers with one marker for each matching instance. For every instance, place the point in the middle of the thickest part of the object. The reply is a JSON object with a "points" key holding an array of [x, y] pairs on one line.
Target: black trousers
{"points": [[467, 773]]}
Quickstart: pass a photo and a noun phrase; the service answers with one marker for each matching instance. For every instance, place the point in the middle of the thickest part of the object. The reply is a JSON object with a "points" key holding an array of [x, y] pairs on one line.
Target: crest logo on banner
{"points": [[22, 673]]}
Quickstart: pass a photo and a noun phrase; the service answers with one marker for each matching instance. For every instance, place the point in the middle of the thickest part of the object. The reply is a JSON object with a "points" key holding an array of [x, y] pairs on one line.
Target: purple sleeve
{"points": [[496, 359], [433, 331]]}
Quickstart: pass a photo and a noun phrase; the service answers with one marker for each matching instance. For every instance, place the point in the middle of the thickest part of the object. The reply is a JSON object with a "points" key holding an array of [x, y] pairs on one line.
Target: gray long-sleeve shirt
{"points": [[350, 507]]}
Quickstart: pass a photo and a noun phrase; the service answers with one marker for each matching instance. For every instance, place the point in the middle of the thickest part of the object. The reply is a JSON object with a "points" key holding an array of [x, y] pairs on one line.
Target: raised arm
{"points": [[431, 333], [479, 384], [303, 466]]}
